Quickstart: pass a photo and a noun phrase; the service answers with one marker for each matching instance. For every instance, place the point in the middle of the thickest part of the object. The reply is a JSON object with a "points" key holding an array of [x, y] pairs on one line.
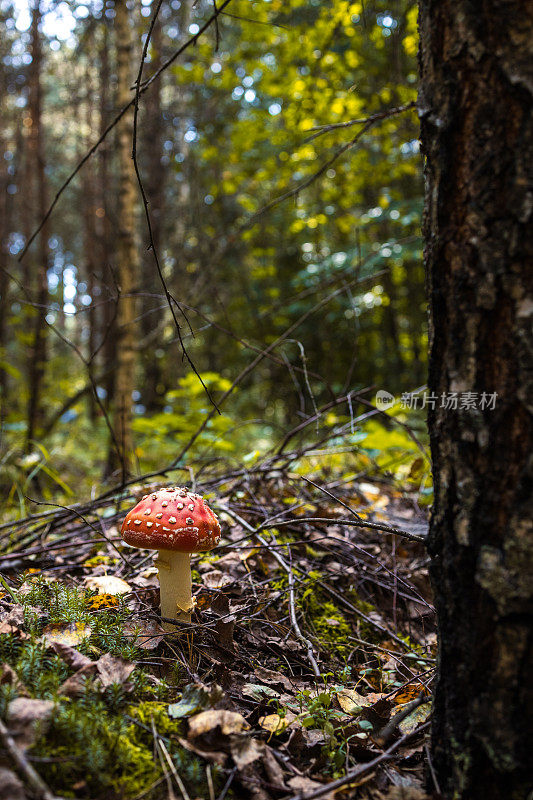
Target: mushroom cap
{"points": [[172, 519]]}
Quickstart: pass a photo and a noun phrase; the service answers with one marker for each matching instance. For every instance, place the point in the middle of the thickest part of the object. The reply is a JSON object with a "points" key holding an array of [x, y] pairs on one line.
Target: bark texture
{"points": [[127, 253], [476, 115], [39, 279]]}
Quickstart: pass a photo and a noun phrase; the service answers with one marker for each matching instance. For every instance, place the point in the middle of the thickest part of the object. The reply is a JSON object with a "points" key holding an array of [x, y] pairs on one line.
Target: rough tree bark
{"points": [[121, 450], [39, 284], [475, 108]]}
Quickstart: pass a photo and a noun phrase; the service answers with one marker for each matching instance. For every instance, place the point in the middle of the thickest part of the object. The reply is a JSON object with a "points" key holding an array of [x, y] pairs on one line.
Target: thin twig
{"points": [[358, 771], [152, 246], [116, 120], [375, 526], [387, 732]]}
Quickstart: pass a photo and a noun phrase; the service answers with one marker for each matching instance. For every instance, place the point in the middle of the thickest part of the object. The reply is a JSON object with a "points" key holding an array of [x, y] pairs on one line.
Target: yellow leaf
{"points": [[228, 722], [71, 633], [273, 723], [351, 701]]}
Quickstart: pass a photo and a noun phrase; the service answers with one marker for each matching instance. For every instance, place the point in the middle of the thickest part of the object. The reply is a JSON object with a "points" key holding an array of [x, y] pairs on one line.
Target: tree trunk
{"points": [[127, 271], [104, 239], [154, 182], [475, 107], [6, 207], [37, 363], [89, 228]]}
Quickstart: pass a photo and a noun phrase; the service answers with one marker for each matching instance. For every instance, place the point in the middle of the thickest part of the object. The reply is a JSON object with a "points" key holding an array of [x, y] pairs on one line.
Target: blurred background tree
{"points": [[264, 106]]}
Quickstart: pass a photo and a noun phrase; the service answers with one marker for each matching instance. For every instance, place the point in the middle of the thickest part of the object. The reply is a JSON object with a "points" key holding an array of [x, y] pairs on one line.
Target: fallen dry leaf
{"points": [[28, 719], [8, 677], [225, 629], [11, 788], [411, 692], [107, 584], [76, 684], [271, 676], [258, 692], [415, 718], [147, 579], [214, 756], [301, 784], [113, 669], [195, 697], [228, 722], [147, 634], [245, 750], [67, 633], [352, 702], [72, 657], [274, 723], [273, 769], [13, 621], [216, 579]]}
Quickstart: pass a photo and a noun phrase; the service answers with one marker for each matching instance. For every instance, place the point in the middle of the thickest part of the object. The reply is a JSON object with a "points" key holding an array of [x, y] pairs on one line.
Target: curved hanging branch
{"points": [[170, 300]]}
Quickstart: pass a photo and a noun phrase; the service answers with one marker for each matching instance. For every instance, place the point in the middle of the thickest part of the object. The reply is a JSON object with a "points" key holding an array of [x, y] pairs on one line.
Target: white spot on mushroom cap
{"points": [[164, 504], [172, 520], [149, 524], [148, 511], [158, 516], [137, 521], [191, 507], [189, 521]]}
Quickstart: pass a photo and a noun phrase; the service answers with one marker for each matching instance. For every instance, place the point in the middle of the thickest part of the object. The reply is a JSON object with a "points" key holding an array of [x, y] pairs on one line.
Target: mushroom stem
{"points": [[176, 587]]}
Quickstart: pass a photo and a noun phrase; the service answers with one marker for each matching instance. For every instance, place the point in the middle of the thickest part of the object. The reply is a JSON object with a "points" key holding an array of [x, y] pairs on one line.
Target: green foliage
{"points": [[101, 742], [185, 410], [249, 131]]}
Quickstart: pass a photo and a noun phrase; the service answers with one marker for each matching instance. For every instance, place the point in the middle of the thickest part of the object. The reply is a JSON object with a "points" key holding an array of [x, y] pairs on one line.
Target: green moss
{"points": [[150, 712], [326, 621]]}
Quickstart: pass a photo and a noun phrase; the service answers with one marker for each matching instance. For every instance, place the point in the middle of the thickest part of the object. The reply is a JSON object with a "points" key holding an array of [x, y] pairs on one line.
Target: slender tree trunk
{"points": [[475, 106], [121, 451], [154, 182], [37, 362], [6, 207], [105, 249], [5, 221], [89, 224]]}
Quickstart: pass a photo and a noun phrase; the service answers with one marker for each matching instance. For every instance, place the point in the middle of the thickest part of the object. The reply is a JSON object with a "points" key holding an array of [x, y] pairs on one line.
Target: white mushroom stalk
{"points": [[175, 583], [177, 523]]}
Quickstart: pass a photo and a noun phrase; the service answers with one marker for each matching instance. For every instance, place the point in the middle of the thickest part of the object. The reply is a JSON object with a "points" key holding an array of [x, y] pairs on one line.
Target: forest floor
{"points": [[305, 673]]}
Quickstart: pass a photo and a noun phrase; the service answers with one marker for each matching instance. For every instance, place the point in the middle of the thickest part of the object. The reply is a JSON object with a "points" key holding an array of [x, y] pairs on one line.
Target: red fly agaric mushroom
{"points": [[177, 523]]}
